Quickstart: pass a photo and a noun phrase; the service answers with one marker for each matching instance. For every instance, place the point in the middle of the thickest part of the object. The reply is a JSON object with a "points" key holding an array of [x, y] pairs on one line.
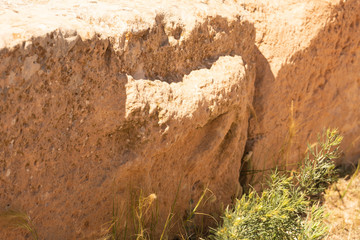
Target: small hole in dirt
{"points": [[86, 224], [177, 33]]}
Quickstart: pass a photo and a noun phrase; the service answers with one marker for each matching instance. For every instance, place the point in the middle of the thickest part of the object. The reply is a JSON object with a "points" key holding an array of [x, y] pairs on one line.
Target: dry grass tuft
{"points": [[18, 220]]}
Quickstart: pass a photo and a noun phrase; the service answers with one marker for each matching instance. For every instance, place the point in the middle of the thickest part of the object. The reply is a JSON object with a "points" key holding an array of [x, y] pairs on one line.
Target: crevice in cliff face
{"points": [[262, 73]]}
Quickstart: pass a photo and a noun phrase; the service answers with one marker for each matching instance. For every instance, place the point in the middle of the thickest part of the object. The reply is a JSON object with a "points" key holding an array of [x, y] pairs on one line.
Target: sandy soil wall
{"points": [[102, 99]]}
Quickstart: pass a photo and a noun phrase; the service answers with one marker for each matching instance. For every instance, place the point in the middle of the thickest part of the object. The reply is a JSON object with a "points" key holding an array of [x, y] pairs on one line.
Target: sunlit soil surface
{"points": [[342, 203]]}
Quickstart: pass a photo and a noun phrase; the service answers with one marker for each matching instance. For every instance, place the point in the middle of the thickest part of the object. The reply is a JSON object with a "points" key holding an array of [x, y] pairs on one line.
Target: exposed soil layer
{"points": [[310, 86], [165, 99]]}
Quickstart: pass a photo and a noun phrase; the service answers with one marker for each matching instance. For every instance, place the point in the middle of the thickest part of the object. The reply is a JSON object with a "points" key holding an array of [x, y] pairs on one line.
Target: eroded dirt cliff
{"points": [[103, 98]]}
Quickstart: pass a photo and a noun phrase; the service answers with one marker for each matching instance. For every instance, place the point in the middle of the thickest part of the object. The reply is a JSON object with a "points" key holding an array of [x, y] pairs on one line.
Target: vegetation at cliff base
{"points": [[289, 207]]}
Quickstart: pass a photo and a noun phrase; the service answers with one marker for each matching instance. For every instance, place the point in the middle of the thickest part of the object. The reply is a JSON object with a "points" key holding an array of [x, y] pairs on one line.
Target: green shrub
{"points": [[318, 170], [276, 214], [286, 209]]}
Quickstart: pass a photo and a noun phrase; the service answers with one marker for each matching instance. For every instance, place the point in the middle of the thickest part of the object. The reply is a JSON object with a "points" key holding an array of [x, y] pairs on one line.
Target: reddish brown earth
{"points": [[99, 99]]}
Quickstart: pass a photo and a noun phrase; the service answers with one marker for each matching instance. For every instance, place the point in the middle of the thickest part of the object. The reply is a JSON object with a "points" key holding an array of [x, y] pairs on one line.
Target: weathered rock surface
{"points": [[308, 79], [100, 98], [85, 117]]}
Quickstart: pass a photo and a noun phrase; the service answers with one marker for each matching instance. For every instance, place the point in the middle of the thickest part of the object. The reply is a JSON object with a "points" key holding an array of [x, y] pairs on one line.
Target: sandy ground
{"points": [[342, 203]]}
